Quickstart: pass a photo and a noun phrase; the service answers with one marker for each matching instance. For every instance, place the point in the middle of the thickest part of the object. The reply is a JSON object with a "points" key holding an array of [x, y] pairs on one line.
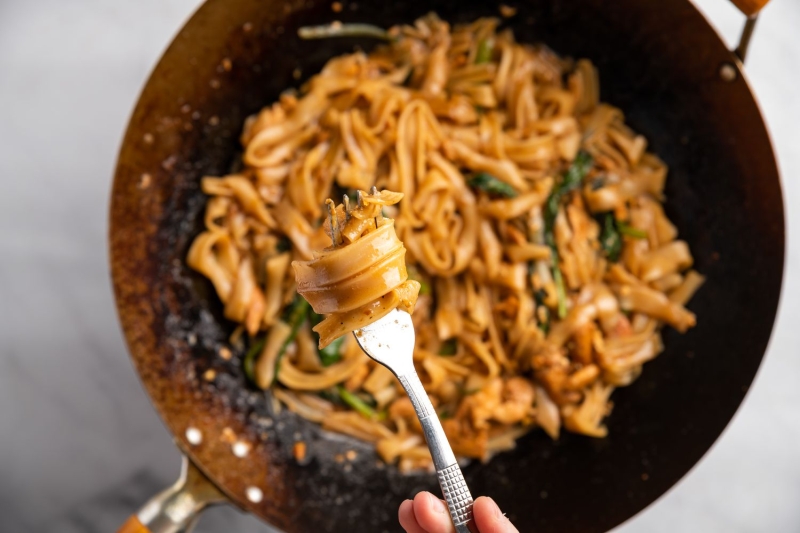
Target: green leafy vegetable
{"points": [[250, 357], [358, 404], [611, 235], [571, 180], [424, 286], [492, 185], [331, 353], [597, 183], [295, 315], [544, 321], [610, 239], [630, 231], [484, 52], [284, 245], [574, 175], [449, 347], [332, 395]]}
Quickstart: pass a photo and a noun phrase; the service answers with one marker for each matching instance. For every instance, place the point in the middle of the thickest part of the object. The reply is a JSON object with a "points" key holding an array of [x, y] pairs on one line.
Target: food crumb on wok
{"points": [[210, 374], [507, 11], [227, 436], [145, 181], [225, 353], [299, 450]]}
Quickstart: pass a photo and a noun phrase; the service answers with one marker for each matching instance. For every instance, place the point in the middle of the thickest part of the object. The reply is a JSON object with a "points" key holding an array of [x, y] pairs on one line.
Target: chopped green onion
{"points": [[444, 415], [449, 347], [484, 52], [337, 29], [358, 404], [571, 180], [610, 240], [630, 231], [492, 185], [250, 357]]}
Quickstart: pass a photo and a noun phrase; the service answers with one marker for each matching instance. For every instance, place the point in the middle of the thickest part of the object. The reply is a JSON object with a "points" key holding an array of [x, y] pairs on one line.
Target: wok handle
{"points": [[175, 509], [451, 480], [749, 7]]}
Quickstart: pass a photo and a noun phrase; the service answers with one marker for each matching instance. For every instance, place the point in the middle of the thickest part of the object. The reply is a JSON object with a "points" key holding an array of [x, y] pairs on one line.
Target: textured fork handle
{"points": [[451, 480]]}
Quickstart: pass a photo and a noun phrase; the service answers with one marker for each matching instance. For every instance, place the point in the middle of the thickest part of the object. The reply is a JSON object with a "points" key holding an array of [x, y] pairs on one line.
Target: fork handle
{"points": [[451, 480]]}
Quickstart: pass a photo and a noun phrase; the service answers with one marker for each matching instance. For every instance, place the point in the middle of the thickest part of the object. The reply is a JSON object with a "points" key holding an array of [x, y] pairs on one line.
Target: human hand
{"points": [[428, 514]]}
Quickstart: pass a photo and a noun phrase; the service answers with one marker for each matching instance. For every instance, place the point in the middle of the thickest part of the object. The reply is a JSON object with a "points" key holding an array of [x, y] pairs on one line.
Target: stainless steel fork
{"points": [[390, 342]]}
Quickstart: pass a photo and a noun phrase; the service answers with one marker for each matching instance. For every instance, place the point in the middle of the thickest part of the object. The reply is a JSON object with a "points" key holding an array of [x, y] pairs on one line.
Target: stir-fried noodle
{"points": [[533, 228]]}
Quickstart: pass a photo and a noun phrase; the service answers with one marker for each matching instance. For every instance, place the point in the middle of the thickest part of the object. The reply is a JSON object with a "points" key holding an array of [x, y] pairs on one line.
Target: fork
{"points": [[390, 342]]}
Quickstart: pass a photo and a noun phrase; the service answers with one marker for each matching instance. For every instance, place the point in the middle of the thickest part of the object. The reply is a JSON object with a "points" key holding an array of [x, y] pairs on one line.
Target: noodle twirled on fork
{"points": [[363, 275]]}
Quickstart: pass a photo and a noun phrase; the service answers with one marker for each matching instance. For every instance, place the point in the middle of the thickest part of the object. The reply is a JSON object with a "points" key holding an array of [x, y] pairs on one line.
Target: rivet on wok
{"points": [[254, 494], [194, 436], [241, 448], [727, 72]]}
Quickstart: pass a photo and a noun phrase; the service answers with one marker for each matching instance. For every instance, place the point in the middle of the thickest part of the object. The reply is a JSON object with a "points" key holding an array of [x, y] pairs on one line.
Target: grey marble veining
{"points": [[80, 446]]}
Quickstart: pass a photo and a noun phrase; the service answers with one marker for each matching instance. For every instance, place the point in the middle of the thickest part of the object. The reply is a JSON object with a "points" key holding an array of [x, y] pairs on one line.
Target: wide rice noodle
{"points": [[421, 116]]}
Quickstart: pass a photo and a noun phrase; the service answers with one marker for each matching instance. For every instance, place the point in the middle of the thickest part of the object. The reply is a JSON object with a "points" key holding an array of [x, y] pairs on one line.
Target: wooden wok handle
{"points": [[133, 525], [750, 7]]}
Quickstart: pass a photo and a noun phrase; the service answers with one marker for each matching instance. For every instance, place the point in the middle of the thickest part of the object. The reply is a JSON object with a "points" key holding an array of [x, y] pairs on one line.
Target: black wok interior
{"points": [[658, 62]]}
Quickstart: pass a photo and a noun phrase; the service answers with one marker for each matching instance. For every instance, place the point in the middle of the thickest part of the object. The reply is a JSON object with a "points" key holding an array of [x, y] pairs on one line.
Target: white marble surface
{"points": [[80, 446]]}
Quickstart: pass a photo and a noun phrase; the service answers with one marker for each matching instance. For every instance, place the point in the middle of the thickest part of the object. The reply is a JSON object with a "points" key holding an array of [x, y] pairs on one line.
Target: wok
{"points": [[660, 62]]}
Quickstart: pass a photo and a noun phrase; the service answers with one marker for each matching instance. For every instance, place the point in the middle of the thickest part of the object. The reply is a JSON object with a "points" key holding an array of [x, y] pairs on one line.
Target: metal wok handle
{"points": [[175, 510], [451, 480], [751, 9]]}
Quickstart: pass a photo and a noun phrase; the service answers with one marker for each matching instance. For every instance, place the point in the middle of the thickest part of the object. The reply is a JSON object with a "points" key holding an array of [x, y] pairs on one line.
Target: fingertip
{"points": [[489, 518], [405, 515], [406, 509], [487, 507], [431, 513]]}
